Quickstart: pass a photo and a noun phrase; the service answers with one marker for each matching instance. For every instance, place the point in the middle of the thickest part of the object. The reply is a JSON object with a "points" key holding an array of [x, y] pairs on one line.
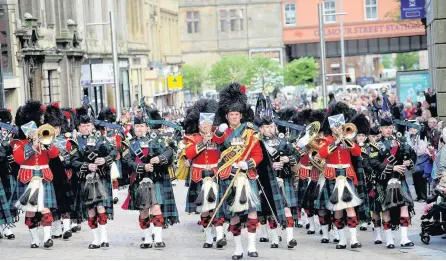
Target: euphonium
{"points": [[46, 134], [317, 162], [311, 132]]}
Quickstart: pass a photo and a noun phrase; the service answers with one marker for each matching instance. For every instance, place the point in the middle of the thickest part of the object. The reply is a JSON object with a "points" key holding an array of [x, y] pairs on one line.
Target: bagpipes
{"points": [[93, 190], [9, 129]]}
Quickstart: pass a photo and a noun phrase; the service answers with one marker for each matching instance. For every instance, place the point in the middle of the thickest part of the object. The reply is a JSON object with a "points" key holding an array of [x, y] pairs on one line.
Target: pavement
{"points": [[184, 241]]}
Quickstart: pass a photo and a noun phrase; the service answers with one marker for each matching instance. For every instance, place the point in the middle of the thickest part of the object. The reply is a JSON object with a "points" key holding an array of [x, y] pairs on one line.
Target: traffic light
{"points": [[347, 78]]}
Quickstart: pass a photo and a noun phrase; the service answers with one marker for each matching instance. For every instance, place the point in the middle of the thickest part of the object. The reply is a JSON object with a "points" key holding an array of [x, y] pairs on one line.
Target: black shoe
{"points": [[325, 240], [320, 232], [443, 237], [253, 254], [206, 245], [160, 245], [221, 243], [336, 240], [417, 199], [49, 243], [274, 246], [115, 200], [91, 246], [199, 223], [56, 237], [34, 246], [165, 226], [292, 243], [214, 239], [263, 240], [391, 246], [341, 246], [144, 246], [299, 225], [356, 245], [363, 228], [105, 244], [10, 237], [409, 244], [237, 257], [309, 232], [280, 239], [67, 235], [1, 236], [307, 226], [75, 229], [378, 242]]}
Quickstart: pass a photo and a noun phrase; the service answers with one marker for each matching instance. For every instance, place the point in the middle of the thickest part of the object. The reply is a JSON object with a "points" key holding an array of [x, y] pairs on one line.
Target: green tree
{"points": [[394, 14], [406, 61], [265, 74], [386, 61], [193, 77], [230, 69], [301, 71]]}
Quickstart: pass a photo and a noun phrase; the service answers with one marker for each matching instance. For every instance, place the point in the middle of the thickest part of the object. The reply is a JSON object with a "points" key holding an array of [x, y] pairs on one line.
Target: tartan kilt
{"points": [[224, 211], [406, 189], [374, 203], [11, 195], [5, 211], [290, 194], [133, 191], [307, 200], [107, 203], [192, 195], [49, 200], [65, 200], [324, 196], [169, 206]]}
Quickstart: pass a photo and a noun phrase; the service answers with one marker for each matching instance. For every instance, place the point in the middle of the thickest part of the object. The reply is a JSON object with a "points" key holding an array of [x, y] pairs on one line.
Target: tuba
{"points": [[46, 134], [315, 146]]}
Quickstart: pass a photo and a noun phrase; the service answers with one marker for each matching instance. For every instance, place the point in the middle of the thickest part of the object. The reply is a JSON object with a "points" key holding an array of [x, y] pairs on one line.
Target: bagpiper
{"points": [[92, 158], [62, 166], [149, 192], [279, 157], [203, 156], [338, 192], [33, 152], [8, 212], [394, 159], [114, 136], [240, 155]]}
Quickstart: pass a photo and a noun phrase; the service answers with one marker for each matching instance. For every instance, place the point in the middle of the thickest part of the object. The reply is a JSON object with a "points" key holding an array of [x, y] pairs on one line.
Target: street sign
{"points": [[412, 9], [175, 82]]}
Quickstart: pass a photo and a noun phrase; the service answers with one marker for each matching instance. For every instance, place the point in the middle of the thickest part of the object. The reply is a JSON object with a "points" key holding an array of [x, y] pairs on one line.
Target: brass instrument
{"points": [[46, 134], [315, 146], [350, 131], [311, 132]]}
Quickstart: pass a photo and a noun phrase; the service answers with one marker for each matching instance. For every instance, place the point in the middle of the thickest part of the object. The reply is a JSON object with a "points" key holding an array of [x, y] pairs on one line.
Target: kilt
{"points": [[224, 211], [192, 194], [406, 189], [307, 200], [169, 206], [375, 204], [49, 200], [324, 196], [107, 203], [5, 211], [301, 187], [11, 195], [290, 194], [133, 191]]}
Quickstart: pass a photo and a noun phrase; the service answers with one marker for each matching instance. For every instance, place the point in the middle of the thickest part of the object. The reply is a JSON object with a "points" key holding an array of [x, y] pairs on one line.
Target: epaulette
{"points": [[250, 125], [364, 150], [375, 145]]}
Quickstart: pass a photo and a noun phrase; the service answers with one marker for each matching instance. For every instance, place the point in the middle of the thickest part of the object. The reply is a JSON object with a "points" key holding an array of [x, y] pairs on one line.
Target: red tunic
{"points": [[305, 167], [35, 162], [340, 158], [201, 157], [251, 152]]}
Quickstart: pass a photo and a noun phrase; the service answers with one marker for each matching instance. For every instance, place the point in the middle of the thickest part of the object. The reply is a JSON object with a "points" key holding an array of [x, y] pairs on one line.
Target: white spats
{"points": [[404, 238], [252, 242], [377, 234], [57, 228], [263, 231], [34, 236], [274, 237], [103, 231], [353, 236], [219, 232], [389, 237], [209, 236], [158, 231], [311, 222], [47, 233], [342, 237], [289, 234], [325, 234], [238, 245], [95, 237], [66, 225], [148, 236]]}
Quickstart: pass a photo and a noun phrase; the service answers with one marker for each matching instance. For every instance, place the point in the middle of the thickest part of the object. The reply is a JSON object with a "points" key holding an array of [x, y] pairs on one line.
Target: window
{"points": [[371, 10], [330, 8], [290, 14], [223, 20], [193, 22], [234, 18]]}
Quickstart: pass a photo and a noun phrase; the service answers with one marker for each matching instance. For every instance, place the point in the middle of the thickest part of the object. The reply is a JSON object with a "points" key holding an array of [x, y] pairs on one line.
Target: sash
{"points": [[393, 152], [235, 133]]}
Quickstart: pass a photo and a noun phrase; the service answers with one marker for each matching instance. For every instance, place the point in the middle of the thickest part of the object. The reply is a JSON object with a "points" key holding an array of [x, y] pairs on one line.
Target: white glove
{"points": [[243, 165], [222, 127], [280, 182], [277, 165]]}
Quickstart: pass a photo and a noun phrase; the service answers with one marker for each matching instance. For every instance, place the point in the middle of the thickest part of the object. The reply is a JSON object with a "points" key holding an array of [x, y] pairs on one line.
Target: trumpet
{"points": [[46, 134]]}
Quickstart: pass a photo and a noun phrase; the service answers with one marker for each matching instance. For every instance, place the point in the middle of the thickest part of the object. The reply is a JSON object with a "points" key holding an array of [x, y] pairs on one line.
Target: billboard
{"points": [[412, 9], [411, 85], [274, 54]]}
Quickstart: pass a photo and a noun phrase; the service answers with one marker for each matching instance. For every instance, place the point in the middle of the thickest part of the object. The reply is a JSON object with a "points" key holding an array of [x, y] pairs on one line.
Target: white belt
{"points": [[306, 167], [338, 166], [37, 167], [204, 166]]}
